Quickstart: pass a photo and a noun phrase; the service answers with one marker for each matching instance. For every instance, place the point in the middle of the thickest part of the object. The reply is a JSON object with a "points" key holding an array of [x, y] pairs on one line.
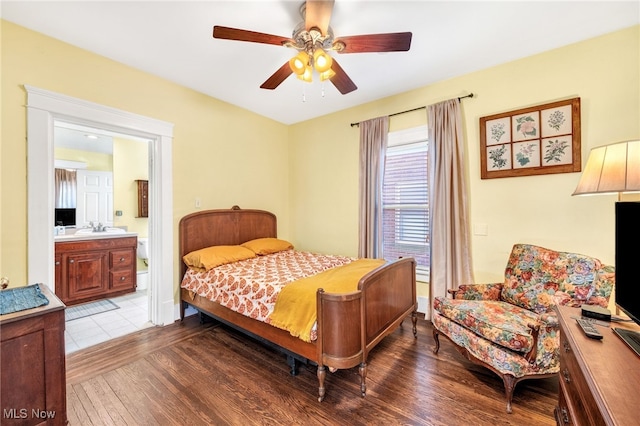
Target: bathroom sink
{"points": [[106, 231]]}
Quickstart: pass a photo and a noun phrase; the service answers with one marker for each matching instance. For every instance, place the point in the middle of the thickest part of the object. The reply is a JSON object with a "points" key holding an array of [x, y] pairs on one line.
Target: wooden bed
{"points": [[348, 325]]}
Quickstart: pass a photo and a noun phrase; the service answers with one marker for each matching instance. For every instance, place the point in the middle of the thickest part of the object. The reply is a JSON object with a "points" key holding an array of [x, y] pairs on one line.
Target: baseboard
{"points": [[423, 304], [187, 312]]}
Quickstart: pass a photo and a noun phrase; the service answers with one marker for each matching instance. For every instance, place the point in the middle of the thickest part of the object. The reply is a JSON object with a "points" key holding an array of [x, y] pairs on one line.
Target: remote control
{"points": [[588, 328]]}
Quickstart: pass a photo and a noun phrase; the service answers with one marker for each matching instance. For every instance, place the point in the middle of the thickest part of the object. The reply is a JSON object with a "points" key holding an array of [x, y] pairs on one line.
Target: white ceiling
{"points": [[173, 40]]}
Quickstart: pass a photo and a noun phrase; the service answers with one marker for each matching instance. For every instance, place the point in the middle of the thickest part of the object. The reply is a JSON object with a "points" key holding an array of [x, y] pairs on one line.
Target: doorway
{"points": [[96, 177], [43, 108]]}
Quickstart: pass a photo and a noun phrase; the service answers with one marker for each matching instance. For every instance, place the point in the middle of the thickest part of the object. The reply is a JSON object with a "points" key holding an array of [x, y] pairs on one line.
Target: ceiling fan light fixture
{"points": [[307, 74], [313, 37], [327, 74], [321, 60], [299, 63]]}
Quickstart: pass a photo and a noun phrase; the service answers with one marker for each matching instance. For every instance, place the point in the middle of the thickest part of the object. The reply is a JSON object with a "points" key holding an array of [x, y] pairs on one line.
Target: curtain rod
{"points": [[470, 95]]}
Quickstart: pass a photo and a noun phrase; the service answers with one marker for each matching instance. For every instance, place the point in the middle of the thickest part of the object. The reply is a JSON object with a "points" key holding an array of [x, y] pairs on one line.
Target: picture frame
{"points": [[538, 140]]}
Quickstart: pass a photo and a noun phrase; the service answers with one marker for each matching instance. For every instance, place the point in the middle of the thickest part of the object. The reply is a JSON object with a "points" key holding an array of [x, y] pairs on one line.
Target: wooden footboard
{"points": [[349, 325]]}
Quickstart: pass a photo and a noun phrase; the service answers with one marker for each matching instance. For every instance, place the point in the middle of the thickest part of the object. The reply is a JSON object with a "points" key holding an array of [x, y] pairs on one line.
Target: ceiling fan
{"points": [[312, 38]]}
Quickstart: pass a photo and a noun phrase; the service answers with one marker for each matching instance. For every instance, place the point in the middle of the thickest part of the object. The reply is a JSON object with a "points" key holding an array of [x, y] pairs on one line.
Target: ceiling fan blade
{"points": [[246, 35], [389, 42], [277, 77], [341, 80], [318, 14]]}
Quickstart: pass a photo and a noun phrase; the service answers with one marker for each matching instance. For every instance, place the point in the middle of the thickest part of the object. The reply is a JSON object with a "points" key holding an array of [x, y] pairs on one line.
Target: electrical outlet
{"points": [[198, 203]]}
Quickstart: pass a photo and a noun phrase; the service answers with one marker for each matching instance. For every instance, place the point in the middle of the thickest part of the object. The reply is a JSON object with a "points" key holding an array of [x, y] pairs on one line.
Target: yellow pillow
{"points": [[213, 256], [262, 246]]}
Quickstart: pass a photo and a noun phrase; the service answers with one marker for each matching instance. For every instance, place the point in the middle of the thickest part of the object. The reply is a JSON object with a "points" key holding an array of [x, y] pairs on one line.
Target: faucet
{"points": [[98, 228]]}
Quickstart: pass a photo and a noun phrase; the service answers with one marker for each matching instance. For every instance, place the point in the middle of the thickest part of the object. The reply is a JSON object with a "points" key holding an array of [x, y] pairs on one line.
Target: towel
{"points": [[296, 309], [21, 298]]}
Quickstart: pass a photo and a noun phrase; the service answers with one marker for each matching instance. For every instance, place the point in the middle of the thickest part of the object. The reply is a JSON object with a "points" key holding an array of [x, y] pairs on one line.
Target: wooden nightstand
{"points": [[33, 372], [599, 379]]}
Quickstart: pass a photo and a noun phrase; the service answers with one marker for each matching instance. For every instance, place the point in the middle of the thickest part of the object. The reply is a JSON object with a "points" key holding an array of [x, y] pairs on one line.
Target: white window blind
{"points": [[405, 198]]}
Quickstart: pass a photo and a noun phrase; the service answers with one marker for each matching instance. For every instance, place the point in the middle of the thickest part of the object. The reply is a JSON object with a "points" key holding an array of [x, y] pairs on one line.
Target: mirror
{"points": [[96, 174], [83, 176]]}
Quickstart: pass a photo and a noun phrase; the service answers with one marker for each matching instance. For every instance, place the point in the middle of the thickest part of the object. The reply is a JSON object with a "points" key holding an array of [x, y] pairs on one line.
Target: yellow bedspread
{"points": [[296, 310]]}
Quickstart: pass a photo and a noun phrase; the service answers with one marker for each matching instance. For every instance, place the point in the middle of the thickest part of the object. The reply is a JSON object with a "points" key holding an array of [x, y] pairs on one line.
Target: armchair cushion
{"points": [[537, 278], [502, 323], [478, 291], [496, 357]]}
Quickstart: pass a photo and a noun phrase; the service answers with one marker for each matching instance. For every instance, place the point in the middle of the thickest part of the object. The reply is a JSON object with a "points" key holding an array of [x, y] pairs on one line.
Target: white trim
{"points": [[405, 136], [43, 107], [423, 306], [68, 164]]}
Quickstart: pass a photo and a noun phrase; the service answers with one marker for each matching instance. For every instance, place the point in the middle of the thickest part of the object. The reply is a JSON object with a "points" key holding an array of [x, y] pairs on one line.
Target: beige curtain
{"points": [[450, 248], [373, 144], [65, 188]]}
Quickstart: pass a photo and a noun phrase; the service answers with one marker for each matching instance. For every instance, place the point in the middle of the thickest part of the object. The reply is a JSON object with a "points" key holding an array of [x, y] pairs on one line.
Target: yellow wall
{"points": [[93, 160], [307, 173], [130, 162]]}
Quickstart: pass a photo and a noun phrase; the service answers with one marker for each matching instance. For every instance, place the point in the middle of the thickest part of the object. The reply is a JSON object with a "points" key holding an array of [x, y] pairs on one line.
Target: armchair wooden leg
{"points": [[435, 337], [509, 385]]}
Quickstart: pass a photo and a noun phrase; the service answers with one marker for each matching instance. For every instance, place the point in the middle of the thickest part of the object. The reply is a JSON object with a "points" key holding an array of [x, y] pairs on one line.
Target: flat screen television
{"points": [[627, 262], [65, 217]]}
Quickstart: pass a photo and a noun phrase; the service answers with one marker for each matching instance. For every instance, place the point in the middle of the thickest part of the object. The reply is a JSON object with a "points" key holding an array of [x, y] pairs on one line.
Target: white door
{"points": [[94, 201]]}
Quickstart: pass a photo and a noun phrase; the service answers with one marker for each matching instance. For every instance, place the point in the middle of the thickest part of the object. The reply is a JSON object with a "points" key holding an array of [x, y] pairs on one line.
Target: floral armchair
{"points": [[510, 327]]}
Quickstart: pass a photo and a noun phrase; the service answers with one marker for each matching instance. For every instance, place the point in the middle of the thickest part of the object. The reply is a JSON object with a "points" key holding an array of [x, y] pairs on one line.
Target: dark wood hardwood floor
{"points": [[194, 374]]}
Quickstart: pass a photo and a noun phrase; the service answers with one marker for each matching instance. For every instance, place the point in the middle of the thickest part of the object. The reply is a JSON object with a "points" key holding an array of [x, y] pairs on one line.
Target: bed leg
{"points": [[183, 307], [322, 373], [414, 321], [293, 363], [363, 378]]}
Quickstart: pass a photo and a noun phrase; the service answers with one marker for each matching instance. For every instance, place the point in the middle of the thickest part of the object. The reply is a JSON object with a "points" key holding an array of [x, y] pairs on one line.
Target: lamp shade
{"points": [[321, 61], [307, 74], [327, 75], [299, 63], [612, 169]]}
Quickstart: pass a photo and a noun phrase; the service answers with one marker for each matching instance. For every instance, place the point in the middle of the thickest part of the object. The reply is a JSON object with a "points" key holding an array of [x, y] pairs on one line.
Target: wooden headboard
{"points": [[223, 227]]}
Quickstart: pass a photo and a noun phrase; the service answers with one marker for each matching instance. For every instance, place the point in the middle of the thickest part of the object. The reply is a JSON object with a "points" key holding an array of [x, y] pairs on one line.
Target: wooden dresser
{"points": [[599, 379], [33, 373]]}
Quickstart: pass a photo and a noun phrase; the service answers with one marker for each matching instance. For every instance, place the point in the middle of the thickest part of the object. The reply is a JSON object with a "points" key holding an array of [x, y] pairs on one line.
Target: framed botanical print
{"points": [[531, 141]]}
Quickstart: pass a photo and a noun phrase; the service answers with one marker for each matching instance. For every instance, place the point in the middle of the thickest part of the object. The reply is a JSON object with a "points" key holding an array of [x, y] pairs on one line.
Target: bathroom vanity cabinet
{"points": [[91, 269]]}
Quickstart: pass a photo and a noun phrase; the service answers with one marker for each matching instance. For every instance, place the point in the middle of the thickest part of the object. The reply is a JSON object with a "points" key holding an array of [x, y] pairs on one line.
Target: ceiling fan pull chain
{"points": [[322, 89], [304, 95]]}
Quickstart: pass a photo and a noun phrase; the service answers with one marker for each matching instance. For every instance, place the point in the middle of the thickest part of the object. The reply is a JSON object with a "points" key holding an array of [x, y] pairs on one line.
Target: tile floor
{"points": [[133, 315]]}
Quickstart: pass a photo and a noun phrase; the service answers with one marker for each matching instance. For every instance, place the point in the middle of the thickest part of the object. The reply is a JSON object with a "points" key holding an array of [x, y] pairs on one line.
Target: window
{"points": [[405, 198], [65, 188]]}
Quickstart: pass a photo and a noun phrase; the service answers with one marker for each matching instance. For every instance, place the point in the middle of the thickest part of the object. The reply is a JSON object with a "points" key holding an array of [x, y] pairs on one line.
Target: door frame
{"points": [[43, 108]]}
